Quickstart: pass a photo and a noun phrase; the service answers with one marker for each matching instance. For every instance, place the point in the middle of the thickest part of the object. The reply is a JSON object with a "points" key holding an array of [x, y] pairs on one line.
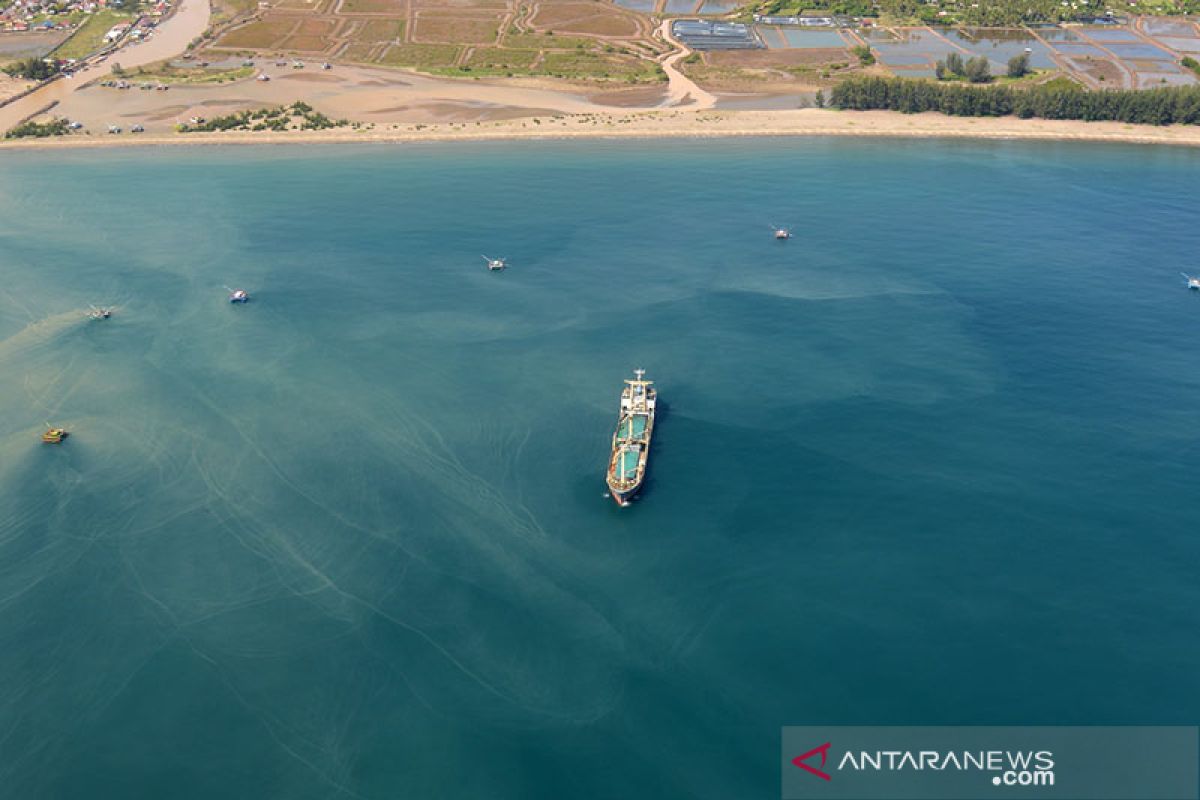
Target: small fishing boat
{"points": [[100, 313], [783, 233], [496, 264], [1192, 283], [237, 295], [54, 435]]}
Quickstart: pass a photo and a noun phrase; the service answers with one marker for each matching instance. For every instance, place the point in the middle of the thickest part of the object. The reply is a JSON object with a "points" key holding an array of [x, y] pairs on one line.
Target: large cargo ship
{"points": [[631, 441]]}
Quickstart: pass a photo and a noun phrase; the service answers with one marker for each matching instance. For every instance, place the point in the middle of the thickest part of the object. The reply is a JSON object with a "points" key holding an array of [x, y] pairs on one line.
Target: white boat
{"points": [[237, 295], [496, 264], [1192, 283]]}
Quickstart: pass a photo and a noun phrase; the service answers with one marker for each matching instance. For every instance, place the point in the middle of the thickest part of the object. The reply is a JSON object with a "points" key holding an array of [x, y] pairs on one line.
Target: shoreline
{"points": [[805, 123]]}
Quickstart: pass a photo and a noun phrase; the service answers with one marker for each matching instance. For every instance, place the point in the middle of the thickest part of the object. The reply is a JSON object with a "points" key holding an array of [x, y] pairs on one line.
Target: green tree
{"points": [[1018, 66], [820, 99], [977, 70], [33, 69], [865, 57]]}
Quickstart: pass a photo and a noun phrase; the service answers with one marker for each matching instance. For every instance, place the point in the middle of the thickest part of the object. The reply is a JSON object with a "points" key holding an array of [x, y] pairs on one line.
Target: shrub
{"points": [[865, 57], [1018, 66], [40, 130]]}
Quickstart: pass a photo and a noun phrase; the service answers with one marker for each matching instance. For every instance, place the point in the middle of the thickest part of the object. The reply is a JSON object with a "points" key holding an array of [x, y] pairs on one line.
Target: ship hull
{"points": [[623, 497]]}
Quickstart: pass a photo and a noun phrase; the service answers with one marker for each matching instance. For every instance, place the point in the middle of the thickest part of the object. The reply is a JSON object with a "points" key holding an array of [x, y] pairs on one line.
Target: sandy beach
{"points": [[396, 105], [667, 123]]}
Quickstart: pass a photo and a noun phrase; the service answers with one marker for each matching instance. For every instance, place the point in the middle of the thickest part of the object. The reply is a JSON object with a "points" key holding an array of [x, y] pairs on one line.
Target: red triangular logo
{"points": [[824, 751]]}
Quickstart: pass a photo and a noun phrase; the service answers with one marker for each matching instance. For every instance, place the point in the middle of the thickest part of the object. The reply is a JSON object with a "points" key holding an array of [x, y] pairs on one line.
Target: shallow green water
{"points": [[933, 460]]}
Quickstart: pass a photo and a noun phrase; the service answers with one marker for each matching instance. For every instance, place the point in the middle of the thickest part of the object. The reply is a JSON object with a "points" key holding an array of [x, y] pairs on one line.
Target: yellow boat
{"points": [[54, 435]]}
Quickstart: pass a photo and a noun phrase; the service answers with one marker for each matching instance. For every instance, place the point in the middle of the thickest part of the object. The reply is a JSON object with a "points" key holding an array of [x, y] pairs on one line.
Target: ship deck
{"points": [[633, 427], [625, 467]]}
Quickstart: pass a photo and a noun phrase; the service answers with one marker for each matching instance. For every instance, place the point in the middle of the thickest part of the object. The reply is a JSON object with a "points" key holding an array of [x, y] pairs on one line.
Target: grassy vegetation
{"points": [[1061, 82], [457, 30], [498, 61], [582, 65], [584, 19], [371, 7], [306, 44], [40, 130], [90, 36], [1191, 64], [302, 5], [228, 9], [316, 27], [1033, 76], [421, 56], [191, 76], [381, 30], [546, 41], [359, 52], [257, 35]]}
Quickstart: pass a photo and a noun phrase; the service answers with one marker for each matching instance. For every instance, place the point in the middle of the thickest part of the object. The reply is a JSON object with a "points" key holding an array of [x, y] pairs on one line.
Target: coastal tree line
{"points": [[1055, 100]]}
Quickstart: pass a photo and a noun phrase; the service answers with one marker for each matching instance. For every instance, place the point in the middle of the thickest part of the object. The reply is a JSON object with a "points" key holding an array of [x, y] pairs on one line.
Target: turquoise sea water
{"points": [[934, 460]]}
